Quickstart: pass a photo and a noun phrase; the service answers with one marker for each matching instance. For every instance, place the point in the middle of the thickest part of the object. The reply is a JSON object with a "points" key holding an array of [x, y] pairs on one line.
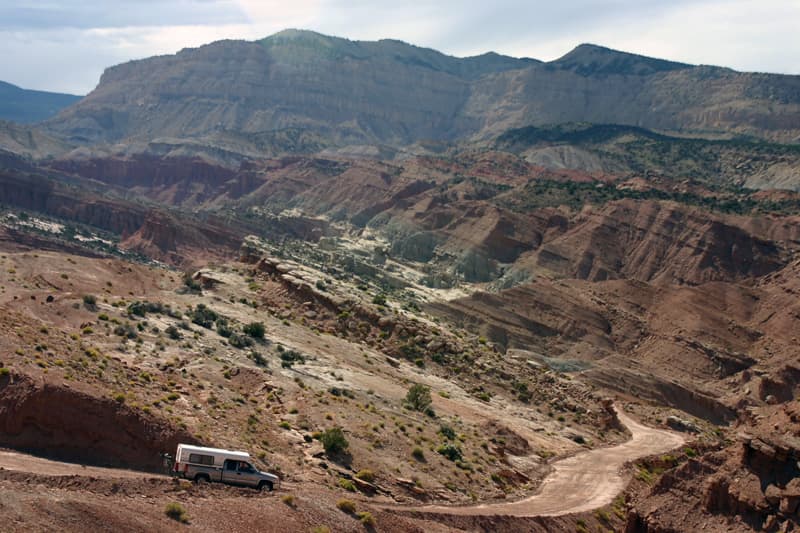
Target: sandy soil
{"points": [[582, 482]]}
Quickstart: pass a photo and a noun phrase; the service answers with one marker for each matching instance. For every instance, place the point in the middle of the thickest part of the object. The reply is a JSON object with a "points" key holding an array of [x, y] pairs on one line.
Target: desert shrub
{"points": [[334, 441], [340, 391], [418, 454], [176, 512], [346, 506], [90, 301], [173, 333], [140, 308], [240, 341], [379, 299], [290, 357], [254, 329], [223, 329], [418, 398], [347, 485], [367, 519], [203, 316], [191, 284], [258, 359], [447, 432], [126, 330], [366, 475], [451, 451], [288, 499]]}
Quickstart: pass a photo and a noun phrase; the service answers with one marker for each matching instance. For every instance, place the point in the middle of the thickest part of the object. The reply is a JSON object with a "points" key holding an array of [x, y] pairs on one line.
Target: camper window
{"points": [[201, 459]]}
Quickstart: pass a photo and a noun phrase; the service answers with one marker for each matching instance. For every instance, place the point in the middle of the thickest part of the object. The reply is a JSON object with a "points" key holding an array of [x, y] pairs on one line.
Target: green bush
{"points": [[176, 512], [367, 519], [418, 398], [173, 333], [191, 284], [203, 316], [240, 341], [366, 475], [254, 329], [346, 506], [290, 357], [334, 441], [451, 451], [90, 301], [126, 330], [347, 485], [223, 329], [418, 454], [258, 359], [447, 432]]}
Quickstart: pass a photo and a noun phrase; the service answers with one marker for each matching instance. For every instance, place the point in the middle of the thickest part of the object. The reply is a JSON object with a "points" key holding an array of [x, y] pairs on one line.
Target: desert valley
{"points": [[430, 293]]}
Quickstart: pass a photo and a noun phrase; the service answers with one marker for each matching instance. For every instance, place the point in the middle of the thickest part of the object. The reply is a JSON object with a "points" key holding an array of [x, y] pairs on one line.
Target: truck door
{"points": [[230, 473], [248, 474]]}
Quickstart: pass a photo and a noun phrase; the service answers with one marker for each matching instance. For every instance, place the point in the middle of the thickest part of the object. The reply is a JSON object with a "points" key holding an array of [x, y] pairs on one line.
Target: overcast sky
{"points": [[64, 45]]}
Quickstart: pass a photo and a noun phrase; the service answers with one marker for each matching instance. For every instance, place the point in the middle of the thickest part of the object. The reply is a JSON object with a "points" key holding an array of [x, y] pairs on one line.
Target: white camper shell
{"points": [[203, 464]]}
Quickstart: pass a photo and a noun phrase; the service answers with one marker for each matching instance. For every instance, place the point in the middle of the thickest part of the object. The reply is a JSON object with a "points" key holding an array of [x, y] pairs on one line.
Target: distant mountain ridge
{"points": [[389, 92], [26, 106]]}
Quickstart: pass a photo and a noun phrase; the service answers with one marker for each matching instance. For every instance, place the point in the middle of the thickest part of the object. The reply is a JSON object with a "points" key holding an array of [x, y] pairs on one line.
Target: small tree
{"points": [[334, 441], [418, 398]]}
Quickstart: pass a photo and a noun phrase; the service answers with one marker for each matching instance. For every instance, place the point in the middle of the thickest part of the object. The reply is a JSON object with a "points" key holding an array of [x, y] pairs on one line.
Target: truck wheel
{"points": [[265, 485], [201, 479]]}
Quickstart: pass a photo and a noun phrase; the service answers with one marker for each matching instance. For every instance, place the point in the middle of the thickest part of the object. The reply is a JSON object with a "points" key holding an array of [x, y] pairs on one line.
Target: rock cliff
{"points": [[389, 92]]}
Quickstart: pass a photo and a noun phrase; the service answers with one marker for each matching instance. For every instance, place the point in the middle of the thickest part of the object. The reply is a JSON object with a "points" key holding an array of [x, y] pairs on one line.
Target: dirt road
{"points": [[582, 482], [20, 462]]}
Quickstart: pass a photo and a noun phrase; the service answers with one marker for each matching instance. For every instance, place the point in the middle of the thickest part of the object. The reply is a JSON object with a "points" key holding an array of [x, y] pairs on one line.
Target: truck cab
{"points": [[240, 473]]}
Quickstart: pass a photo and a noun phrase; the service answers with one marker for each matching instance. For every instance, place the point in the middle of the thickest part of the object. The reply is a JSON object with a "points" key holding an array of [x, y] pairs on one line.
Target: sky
{"points": [[64, 45]]}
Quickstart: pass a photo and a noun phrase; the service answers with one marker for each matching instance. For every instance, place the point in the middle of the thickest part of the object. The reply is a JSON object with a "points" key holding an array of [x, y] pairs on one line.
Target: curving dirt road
{"points": [[580, 483]]}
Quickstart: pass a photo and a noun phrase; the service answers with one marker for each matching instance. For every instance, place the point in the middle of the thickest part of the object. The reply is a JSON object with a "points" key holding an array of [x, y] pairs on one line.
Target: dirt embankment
{"points": [[65, 423]]}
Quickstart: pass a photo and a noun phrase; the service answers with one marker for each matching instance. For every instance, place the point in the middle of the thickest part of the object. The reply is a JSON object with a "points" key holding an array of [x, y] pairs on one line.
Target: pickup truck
{"points": [[202, 464]]}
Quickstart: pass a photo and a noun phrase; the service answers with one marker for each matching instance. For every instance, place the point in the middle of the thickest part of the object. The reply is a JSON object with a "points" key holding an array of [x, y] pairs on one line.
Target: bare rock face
{"points": [[753, 484], [389, 92], [653, 241]]}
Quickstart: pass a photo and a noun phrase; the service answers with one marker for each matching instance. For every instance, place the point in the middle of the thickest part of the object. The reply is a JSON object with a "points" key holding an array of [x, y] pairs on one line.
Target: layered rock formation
{"points": [[388, 92]]}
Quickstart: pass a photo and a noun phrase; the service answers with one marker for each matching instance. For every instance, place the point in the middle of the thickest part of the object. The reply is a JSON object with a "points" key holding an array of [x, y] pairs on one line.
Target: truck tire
{"points": [[201, 479], [265, 485]]}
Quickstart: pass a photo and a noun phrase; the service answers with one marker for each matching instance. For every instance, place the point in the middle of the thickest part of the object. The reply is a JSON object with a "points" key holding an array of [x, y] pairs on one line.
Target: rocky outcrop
{"points": [[752, 484]]}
